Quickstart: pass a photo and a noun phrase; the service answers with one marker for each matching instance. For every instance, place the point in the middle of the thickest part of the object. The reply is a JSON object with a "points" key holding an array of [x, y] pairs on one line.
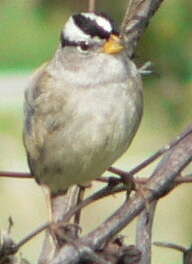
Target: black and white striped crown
{"points": [[86, 27]]}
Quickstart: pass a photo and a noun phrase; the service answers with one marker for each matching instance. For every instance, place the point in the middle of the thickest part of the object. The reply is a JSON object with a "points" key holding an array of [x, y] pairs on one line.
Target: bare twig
{"points": [[11, 248], [98, 195], [92, 4], [170, 245], [20, 175], [152, 158], [144, 233], [136, 20], [178, 180], [94, 197], [30, 236], [108, 190], [187, 252], [80, 199]]}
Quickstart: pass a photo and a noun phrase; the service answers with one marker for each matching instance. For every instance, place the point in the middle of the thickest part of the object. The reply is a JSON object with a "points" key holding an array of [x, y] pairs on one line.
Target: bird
{"points": [[82, 108]]}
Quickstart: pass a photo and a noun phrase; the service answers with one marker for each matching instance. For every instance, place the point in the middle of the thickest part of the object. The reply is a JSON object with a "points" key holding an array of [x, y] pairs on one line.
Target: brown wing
{"points": [[34, 133]]}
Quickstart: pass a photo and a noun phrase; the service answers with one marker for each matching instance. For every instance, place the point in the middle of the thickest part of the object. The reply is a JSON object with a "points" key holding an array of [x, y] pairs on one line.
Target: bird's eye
{"points": [[83, 47]]}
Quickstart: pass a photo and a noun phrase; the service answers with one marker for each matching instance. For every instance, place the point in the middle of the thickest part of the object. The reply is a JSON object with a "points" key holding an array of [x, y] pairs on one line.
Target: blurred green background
{"points": [[29, 34]]}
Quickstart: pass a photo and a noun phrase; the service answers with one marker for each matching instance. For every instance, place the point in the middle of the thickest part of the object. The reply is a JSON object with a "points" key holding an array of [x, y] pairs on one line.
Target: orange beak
{"points": [[113, 45]]}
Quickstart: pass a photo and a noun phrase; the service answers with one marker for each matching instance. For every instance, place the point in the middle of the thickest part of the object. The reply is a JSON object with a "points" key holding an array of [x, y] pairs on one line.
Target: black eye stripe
{"points": [[90, 27], [65, 42]]}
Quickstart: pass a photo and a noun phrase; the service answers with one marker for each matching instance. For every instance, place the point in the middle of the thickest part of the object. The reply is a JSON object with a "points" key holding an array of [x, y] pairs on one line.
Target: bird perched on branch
{"points": [[83, 108]]}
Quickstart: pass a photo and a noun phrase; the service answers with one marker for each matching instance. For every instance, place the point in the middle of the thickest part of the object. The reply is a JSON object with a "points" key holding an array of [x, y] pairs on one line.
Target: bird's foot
{"points": [[64, 233], [126, 179]]}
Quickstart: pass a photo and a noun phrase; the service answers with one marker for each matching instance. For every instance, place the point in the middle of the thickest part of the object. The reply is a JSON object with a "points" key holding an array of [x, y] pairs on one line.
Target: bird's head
{"points": [[91, 32]]}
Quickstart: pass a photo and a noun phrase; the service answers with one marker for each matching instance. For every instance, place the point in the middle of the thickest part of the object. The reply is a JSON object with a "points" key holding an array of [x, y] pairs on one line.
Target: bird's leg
{"points": [[63, 232], [80, 199], [129, 181], [58, 232], [47, 194], [125, 177]]}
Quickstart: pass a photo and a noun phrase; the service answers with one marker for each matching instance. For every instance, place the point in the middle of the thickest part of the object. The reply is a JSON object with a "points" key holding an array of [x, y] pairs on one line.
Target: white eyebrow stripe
{"points": [[73, 33], [101, 21]]}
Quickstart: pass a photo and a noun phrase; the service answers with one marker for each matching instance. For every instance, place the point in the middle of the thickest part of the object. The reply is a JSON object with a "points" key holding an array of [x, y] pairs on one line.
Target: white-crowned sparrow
{"points": [[82, 108]]}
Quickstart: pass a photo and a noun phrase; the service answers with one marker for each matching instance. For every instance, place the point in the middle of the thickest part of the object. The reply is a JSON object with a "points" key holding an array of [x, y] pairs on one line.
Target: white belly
{"points": [[98, 132]]}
